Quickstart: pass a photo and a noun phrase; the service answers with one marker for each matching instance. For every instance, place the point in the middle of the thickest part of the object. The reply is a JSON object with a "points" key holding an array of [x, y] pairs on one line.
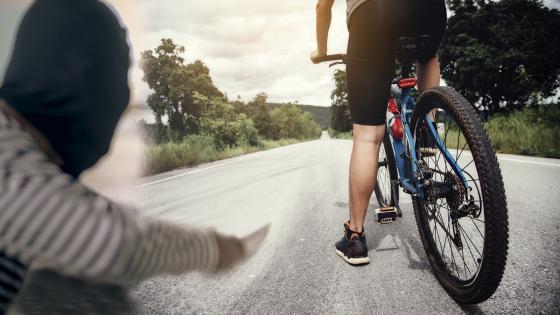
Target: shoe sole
{"points": [[353, 261]]}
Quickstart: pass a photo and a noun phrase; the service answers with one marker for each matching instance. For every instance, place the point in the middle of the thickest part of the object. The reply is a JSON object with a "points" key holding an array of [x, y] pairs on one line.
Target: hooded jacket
{"points": [[68, 77]]}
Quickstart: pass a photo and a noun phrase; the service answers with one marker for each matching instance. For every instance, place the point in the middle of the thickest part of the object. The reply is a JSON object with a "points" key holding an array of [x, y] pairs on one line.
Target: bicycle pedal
{"points": [[386, 215]]}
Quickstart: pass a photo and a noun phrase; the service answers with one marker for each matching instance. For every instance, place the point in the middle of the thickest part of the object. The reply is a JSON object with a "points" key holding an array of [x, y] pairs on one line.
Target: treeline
{"points": [[321, 114], [186, 102], [501, 55], [191, 113]]}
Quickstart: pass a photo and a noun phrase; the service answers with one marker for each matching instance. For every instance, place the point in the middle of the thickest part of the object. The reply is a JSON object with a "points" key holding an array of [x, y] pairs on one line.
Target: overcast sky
{"points": [[250, 46]]}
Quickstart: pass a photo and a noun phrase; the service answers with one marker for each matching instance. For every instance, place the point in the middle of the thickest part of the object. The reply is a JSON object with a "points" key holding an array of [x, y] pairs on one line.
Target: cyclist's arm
{"points": [[323, 24], [49, 220]]}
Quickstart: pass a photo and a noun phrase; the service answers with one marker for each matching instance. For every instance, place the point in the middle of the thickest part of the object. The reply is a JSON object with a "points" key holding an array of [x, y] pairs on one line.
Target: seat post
{"points": [[406, 70]]}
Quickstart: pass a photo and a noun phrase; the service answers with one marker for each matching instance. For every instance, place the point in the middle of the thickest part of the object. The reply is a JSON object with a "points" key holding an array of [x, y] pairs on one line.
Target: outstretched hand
{"points": [[234, 250]]}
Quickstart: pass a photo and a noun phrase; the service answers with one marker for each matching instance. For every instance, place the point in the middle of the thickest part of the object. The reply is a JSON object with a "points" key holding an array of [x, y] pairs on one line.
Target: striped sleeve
{"points": [[47, 219], [12, 273]]}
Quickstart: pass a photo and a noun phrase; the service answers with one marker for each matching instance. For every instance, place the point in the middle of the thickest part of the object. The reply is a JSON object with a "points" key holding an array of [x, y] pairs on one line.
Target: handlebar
{"points": [[336, 57]]}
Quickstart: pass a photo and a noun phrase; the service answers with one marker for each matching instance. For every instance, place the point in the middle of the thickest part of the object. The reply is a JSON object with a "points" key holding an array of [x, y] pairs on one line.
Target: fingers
{"points": [[253, 241], [314, 57], [231, 251], [234, 250]]}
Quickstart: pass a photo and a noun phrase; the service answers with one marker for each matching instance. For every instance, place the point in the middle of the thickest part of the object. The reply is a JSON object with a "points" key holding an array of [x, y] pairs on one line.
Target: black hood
{"points": [[68, 77]]}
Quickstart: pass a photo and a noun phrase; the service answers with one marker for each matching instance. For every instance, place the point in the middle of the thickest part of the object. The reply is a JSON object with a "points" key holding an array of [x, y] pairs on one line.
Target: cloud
{"points": [[250, 46]]}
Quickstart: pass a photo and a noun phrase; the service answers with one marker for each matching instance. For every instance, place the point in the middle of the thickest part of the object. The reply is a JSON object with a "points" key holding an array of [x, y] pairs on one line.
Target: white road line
{"points": [[511, 159], [528, 162], [193, 172]]}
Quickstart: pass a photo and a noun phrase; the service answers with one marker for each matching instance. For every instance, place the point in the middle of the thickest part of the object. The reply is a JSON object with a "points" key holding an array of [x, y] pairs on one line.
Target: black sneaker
{"points": [[352, 247]]}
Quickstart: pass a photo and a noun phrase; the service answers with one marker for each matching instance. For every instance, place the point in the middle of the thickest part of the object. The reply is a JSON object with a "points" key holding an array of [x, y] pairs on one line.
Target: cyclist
{"points": [[374, 28]]}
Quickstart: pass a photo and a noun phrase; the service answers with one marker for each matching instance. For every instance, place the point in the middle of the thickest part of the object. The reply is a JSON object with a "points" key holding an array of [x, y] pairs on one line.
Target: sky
{"points": [[250, 46]]}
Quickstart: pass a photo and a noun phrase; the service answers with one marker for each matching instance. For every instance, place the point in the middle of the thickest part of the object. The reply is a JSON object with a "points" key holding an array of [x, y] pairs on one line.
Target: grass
{"points": [[340, 135], [531, 132], [528, 132], [197, 149]]}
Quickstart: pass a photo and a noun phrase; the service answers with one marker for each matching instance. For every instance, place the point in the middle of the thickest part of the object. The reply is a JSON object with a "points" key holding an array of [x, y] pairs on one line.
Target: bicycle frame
{"points": [[405, 149]]}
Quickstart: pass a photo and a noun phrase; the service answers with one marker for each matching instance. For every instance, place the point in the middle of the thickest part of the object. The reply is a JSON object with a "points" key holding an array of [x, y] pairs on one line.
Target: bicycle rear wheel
{"points": [[464, 230], [386, 172]]}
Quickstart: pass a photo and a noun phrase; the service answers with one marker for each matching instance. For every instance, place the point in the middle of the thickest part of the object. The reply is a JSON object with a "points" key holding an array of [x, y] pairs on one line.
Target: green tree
{"points": [[224, 124], [257, 109], [173, 83], [502, 55], [340, 112], [290, 121]]}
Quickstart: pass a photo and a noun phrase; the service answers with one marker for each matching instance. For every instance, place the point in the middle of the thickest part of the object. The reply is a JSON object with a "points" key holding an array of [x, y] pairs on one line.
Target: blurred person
{"points": [[374, 28], [64, 91]]}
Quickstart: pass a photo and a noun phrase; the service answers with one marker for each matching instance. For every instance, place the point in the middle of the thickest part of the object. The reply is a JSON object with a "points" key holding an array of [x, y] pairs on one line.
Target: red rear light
{"points": [[407, 83]]}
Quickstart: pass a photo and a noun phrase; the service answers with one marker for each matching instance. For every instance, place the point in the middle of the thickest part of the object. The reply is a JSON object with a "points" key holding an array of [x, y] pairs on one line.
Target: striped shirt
{"points": [[49, 220]]}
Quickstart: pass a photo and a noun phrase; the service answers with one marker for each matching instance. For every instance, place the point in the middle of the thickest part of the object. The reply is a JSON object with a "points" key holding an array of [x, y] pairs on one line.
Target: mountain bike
{"points": [[437, 150]]}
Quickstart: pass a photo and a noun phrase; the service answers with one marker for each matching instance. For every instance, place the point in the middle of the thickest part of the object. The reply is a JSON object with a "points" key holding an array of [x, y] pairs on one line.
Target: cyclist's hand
{"points": [[234, 250], [315, 55]]}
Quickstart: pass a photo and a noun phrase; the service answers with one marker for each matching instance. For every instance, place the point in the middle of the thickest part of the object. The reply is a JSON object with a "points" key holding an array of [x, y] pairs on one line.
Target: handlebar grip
{"points": [[331, 58]]}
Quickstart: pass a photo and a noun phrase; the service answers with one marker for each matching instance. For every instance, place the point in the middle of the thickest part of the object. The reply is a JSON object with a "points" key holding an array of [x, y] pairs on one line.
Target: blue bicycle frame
{"points": [[405, 149]]}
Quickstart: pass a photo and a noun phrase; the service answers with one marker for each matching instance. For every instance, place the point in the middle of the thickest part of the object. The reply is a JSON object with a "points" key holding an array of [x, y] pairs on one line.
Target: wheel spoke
{"points": [[470, 251], [470, 240], [454, 257], [460, 153]]}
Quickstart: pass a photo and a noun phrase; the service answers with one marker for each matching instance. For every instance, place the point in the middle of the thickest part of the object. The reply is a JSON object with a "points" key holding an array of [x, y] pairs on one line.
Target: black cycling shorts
{"points": [[375, 28]]}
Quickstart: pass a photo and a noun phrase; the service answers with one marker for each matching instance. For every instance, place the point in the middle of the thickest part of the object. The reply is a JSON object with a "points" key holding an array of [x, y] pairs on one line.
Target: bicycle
{"points": [[440, 154]]}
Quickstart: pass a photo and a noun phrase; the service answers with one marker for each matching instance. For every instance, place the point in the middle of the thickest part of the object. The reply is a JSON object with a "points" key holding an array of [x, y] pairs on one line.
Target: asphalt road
{"points": [[302, 190]]}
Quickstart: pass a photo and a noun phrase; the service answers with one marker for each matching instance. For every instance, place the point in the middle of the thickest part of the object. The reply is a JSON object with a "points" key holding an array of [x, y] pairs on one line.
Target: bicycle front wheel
{"points": [[462, 219]]}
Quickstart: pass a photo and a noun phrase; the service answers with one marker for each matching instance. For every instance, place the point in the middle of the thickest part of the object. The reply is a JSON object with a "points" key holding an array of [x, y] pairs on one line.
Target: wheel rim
{"points": [[457, 237]]}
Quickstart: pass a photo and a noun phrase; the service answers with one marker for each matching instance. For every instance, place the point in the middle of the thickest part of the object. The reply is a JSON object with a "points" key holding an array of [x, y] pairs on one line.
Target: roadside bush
{"points": [[527, 132], [225, 125], [290, 121], [197, 149], [347, 135], [192, 150]]}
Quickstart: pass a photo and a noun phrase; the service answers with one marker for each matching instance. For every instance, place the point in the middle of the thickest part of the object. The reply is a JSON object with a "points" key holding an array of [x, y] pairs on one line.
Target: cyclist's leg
{"points": [[428, 74], [369, 71], [428, 18], [363, 171]]}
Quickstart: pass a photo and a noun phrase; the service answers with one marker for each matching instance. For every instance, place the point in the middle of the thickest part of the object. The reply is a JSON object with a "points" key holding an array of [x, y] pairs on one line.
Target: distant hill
{"points": [[321, 114]]}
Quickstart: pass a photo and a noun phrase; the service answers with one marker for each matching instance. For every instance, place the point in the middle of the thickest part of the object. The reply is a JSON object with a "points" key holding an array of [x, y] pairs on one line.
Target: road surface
{"points": [[302, 190]]}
